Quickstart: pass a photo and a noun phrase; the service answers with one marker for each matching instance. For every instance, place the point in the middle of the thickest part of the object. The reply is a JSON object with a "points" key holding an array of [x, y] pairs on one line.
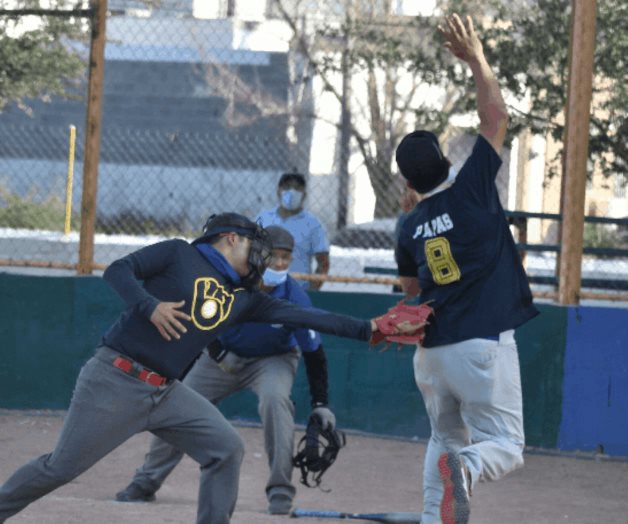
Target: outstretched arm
{"points": [[463, 42]]}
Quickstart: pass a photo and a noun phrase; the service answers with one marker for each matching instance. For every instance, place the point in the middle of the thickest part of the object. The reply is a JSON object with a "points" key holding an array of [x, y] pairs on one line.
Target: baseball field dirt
{"points": [[371, 474]]}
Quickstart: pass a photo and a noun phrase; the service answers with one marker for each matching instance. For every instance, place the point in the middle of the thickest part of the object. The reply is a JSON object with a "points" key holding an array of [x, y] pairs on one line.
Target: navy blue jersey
{"points": [[257, 340], [174, 270], [459, 245]]}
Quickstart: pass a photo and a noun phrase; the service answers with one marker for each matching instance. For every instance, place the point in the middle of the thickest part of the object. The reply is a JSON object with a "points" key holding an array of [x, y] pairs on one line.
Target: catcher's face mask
{"points": [[259, 255], [317, 451]]}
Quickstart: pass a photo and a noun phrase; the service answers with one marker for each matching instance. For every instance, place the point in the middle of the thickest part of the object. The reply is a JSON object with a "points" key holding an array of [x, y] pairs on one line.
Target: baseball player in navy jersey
{"points": [[180, 297], [456, 251], [263, 358]]}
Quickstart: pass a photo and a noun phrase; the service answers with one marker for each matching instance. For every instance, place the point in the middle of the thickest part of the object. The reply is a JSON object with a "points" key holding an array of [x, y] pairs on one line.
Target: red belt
{"points": [[135, 370]]}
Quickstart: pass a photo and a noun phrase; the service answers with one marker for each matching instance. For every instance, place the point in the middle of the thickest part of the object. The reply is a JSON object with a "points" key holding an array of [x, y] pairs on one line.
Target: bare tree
{"points": [[392, 56], [387, 60]]}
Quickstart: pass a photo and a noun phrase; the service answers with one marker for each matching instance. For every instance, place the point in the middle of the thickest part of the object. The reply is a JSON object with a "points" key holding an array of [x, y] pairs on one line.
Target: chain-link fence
{"points": [[206, 104]]}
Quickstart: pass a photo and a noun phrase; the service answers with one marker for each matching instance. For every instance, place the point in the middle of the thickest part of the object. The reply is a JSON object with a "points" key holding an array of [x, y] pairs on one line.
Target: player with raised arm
{"points": [[455, 251]]}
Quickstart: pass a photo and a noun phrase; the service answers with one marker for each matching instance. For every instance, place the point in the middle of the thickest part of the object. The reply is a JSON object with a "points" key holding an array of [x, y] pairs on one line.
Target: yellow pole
{"points": [[68, 185]]}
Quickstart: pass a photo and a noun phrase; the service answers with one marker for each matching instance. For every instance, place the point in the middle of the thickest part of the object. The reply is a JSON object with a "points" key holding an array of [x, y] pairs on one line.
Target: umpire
{"points": [[180, 297], [262, 358]]}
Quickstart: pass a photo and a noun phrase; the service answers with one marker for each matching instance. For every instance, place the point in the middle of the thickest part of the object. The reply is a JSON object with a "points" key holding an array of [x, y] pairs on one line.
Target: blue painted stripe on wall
{"points": [[595, 386]]}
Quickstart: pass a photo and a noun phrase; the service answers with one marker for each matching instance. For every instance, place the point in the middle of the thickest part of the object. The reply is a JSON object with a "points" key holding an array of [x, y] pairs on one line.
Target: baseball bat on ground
{"points": [[392, 517]]}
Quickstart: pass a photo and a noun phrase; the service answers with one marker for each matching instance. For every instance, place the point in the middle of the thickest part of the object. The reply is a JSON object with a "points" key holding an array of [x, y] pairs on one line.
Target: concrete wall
{"points": [[574, 364]]}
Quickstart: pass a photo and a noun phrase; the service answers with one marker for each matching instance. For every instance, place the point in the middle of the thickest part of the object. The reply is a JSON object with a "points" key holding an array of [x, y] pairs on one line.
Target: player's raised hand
{"points": [[461, 38], [166, 318]]}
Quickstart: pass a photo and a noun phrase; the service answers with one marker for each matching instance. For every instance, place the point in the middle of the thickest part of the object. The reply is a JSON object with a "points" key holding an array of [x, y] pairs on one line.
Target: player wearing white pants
{"points": [[455, 251], [486, 429]]}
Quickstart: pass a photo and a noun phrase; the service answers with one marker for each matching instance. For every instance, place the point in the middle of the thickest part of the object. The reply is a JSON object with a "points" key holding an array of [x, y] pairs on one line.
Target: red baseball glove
{"points": [[403, 324]]}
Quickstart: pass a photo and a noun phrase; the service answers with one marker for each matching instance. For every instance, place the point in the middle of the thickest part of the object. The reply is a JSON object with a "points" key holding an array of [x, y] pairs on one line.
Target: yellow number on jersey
{"points": [[441, 262]]}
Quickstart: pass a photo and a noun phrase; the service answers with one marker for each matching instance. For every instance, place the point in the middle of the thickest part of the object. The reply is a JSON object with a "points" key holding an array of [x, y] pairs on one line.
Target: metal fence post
{"points": [[345, 133]]}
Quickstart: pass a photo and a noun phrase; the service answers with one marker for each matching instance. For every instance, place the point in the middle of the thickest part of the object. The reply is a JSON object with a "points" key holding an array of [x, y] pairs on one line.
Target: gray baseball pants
{"points": [[107, 408], [271, 379], [472, 393]]}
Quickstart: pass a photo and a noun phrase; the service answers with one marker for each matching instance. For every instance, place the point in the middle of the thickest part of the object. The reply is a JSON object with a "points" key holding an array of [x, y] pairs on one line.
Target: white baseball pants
{"points": [[472, 393]]}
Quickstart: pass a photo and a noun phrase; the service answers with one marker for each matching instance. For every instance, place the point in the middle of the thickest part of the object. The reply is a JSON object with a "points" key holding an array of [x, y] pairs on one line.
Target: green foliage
{"points": [[530, 53], [29, 212], [526, 43], [36, 59], [48, 213], [603, 236]]}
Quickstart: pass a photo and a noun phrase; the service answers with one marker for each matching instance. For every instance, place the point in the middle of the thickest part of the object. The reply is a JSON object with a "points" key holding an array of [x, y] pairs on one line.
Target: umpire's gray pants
{"points": [[271, 379], [108, 407]]}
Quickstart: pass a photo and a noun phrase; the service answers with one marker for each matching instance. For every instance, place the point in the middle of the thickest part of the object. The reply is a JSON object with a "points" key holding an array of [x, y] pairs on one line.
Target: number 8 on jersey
{"points": [[440, 261]]}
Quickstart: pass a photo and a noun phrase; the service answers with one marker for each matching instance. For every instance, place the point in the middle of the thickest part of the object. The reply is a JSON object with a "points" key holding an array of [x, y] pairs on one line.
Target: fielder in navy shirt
{"points": [[201, 295], [455, 251], [180, 297], [458, 244], [262, 358]]}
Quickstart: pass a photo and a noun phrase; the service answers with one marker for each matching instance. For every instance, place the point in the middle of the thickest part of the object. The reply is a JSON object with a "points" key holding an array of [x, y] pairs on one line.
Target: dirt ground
{"points": [[371, 474]]}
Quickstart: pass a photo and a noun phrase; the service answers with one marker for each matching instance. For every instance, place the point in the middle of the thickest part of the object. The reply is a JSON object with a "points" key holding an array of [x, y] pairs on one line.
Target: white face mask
{"points": [[273, 278], [291, 199]]}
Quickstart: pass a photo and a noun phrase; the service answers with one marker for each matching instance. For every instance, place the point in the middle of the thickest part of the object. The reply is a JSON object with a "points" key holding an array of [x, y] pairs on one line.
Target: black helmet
{"points": [[260, 253], [226, 223]]}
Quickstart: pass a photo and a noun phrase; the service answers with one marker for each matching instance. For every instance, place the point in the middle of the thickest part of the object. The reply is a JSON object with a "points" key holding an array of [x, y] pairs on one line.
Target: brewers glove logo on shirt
{"points": [[211, 304]]}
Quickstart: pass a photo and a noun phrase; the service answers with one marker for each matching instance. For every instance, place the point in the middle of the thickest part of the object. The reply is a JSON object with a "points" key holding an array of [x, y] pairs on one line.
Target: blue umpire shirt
{"points": [[458, 243], [260, 340]]}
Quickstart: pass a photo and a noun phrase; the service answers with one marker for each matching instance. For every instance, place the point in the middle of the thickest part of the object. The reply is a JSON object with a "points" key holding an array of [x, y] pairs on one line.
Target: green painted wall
{"points": [[541, 344], [49, 327]]}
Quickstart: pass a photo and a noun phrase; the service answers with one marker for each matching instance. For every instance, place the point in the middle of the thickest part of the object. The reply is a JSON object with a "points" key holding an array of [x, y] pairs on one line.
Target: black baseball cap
{"points": [[421, 161], [280, 238], [292, 177]]}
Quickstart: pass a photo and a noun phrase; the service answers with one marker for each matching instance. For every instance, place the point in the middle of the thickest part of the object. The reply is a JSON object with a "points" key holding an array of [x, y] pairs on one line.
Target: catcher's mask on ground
{"points": [[317, 451], [260, 252]]}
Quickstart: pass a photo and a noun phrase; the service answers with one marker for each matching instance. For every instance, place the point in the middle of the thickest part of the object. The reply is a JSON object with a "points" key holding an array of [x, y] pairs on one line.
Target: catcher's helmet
{"points": [[317, 451], [260, 254]]}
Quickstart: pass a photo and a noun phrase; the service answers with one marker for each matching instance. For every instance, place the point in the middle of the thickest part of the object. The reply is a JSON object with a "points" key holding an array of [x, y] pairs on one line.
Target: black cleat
{"points": [[135, 493]]}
